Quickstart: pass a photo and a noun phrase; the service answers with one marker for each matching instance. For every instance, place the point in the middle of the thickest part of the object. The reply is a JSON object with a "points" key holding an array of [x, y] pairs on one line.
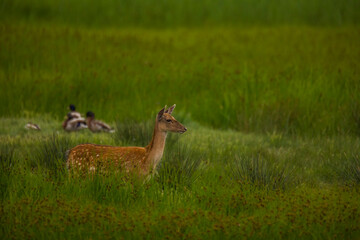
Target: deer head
{"points": [[167, 123]]}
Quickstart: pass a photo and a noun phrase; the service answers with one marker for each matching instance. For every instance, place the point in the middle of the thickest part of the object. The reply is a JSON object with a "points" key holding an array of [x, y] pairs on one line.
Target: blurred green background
{"points": [[186, 13], [253, 66]]}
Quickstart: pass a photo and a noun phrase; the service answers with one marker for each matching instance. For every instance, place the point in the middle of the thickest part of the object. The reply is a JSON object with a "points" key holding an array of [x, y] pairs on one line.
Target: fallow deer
{"points": [[139, 160]]}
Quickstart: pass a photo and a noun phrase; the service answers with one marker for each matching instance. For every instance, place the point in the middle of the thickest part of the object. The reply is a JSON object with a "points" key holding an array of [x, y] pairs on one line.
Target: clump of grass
{"points": [[260, 172], [130, 132], [51, 153], [6, 167], [349, 169], [6, 158], [179, 166], [355, 106]]}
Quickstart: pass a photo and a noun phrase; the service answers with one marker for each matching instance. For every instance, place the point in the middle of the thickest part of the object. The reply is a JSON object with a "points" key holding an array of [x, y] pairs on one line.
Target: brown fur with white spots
{"points": [[140, 160]]}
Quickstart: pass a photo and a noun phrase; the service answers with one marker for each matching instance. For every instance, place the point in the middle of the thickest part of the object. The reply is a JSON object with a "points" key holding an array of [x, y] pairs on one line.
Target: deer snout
{"points": [[183, 130]]}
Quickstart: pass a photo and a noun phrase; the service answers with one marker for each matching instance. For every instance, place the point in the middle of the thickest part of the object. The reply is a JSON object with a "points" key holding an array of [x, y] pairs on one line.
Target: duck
{"points": [[72, 124], [73, 112], [96, 125], [32, 126]]}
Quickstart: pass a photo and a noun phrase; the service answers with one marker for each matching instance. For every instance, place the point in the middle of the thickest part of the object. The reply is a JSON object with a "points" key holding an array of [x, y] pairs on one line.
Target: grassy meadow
{"points": [[211, 183], [269, 92], [301, 81]]}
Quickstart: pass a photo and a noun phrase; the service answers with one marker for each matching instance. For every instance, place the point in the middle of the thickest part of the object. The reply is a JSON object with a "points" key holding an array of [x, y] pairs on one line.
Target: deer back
{"points": [[100, 157]]}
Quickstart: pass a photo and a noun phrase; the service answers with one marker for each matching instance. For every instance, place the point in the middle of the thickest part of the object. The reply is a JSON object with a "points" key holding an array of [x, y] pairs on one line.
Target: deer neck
{"points": [[155, 149]]}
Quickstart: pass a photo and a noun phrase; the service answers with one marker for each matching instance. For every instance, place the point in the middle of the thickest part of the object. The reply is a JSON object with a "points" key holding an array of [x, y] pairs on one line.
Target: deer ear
{"points": [[161, 113], [170, 109]]}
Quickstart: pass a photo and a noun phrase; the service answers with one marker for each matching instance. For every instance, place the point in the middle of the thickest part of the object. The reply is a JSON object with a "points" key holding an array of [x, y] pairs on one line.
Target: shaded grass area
{"points": [[163, 14], [302, 214], [211, 183], [258, 171], [293, 80]]}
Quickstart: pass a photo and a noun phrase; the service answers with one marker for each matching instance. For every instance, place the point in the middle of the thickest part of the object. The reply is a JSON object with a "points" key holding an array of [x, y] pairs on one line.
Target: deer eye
{"points": [[168, 120]]}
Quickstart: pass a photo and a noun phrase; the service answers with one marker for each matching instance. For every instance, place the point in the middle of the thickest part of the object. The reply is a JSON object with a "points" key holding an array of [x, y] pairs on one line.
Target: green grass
{"points": [[211, 183], [293, 80], [269, 92], [172, 13]]}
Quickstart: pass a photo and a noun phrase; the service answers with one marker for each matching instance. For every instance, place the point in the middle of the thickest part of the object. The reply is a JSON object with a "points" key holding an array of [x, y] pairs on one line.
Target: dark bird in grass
{"points": [[32, 126], [96, 125], [72, 124], [73, 112]]}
